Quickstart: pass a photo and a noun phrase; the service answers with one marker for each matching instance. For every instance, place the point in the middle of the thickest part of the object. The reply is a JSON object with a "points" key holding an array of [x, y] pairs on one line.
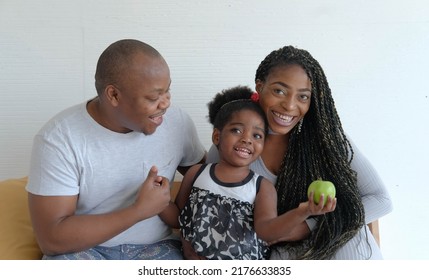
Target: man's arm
{"points": [[58, 230]]}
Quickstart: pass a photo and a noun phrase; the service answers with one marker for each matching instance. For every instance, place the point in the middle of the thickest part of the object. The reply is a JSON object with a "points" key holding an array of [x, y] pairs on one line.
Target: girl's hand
{"points": [[189, 252]]}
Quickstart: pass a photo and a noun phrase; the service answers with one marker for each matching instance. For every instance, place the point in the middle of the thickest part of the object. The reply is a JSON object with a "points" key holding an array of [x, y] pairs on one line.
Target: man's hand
{"points": [[154, 194]]}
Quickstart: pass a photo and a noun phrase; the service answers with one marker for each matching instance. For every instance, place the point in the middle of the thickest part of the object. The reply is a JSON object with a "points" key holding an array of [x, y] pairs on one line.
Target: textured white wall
{"points": [[374, 54]]}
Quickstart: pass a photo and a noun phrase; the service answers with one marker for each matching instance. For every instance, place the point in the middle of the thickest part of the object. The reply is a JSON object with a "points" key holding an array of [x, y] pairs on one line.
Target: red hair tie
{"points": [[255, 97]]}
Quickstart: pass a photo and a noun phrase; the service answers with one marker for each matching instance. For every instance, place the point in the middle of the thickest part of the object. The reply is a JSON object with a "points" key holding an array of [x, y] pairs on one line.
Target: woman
{"points": [[307, 142]]}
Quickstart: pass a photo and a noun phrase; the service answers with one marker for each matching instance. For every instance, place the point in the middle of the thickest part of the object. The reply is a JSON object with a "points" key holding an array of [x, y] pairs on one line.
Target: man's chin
{"points": [[149, 131]]}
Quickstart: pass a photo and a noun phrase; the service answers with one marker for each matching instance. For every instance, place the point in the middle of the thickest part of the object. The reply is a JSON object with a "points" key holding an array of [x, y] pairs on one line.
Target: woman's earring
{"points": [[300, 125]]}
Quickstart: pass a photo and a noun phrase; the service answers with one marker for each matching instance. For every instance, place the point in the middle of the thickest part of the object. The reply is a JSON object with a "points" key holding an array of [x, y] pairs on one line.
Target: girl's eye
{"points": [[258, 136], [235, 130]]}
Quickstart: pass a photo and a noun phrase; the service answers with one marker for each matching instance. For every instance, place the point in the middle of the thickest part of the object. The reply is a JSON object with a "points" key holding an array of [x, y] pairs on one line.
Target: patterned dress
{"points": [[218, 217]]}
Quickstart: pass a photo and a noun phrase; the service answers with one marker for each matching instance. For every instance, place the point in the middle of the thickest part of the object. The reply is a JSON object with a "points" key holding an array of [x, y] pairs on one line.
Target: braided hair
{"points": [[230, 101], [320, 150]]}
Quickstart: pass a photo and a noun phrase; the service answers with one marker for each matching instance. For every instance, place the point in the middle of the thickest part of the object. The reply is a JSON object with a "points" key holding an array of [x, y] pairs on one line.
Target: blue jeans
{"points": [[169, 249]]}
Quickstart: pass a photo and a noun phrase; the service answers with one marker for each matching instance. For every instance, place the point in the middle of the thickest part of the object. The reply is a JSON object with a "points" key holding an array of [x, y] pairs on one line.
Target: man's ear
{"points": [[112, 95], [215, 136]]}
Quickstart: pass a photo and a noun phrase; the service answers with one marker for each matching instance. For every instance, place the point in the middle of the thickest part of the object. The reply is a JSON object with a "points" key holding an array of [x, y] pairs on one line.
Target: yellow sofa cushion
{"points": [[17, 240]]}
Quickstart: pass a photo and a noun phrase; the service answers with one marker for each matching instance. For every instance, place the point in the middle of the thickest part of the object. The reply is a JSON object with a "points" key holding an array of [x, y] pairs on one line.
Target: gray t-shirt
{"points": [[74, 155]]}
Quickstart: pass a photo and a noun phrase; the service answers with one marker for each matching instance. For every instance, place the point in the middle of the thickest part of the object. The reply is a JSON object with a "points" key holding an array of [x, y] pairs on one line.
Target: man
{"points": [[100, 171]]}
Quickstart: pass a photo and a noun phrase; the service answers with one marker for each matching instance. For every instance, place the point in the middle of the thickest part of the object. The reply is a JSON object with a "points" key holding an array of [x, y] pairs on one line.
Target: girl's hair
{"points": [[230, 101], [319, 150]]}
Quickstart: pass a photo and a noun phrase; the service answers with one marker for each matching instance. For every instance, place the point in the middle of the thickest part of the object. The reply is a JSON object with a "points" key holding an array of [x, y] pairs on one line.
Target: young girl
{"points": [[226, 208]]}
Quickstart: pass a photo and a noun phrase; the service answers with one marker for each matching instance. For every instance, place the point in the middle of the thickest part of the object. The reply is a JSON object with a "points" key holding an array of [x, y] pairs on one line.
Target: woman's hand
{"points": [[319, 209]]}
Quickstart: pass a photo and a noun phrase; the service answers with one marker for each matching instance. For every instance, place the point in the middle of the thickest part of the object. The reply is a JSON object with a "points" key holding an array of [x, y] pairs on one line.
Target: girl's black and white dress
{"points": [[218, 217]]}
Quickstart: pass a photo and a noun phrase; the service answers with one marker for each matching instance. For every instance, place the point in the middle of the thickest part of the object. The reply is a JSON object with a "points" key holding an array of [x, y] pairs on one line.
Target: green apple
{"points": [[320, 187]]}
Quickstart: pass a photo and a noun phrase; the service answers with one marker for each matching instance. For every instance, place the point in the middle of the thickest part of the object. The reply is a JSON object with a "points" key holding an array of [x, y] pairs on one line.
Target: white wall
{"points": [[375, 54]]}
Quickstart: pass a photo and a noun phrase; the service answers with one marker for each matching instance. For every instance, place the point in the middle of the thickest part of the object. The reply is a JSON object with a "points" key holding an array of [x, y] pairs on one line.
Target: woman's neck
{"points": [[275, 148]]}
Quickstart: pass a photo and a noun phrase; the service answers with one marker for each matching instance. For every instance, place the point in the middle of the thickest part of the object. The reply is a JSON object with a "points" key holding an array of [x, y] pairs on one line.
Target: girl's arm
{"points": [[186, 186], [171, 213], [181, 199], [290, 225]]}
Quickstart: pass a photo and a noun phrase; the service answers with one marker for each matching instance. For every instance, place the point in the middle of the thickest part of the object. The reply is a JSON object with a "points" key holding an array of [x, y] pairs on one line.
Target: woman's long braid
{"points": [[320, 150]]}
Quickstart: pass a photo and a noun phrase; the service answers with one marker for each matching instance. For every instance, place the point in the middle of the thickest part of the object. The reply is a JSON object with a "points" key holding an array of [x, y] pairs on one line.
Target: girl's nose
{"points": [[246, 139]]}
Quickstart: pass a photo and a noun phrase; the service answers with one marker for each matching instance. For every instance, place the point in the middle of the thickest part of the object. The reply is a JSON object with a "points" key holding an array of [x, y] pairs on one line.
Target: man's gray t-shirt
{"points": [[74, 155]]}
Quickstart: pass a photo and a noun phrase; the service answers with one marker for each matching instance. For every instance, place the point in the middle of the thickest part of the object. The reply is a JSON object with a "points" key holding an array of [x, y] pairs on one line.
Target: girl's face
{"points": [[285, 97], [242, 139]]}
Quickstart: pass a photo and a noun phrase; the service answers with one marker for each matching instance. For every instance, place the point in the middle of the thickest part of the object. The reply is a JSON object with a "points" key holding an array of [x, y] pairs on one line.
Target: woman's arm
{"points": [[289, 226], [375, 197]]}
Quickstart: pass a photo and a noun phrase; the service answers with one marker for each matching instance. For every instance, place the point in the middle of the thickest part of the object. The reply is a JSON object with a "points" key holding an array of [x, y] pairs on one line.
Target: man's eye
{"points": [[153, 98]]}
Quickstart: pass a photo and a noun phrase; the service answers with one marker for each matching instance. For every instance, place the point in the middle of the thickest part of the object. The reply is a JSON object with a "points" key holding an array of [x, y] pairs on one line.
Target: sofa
{"points": [[17, 240]]}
